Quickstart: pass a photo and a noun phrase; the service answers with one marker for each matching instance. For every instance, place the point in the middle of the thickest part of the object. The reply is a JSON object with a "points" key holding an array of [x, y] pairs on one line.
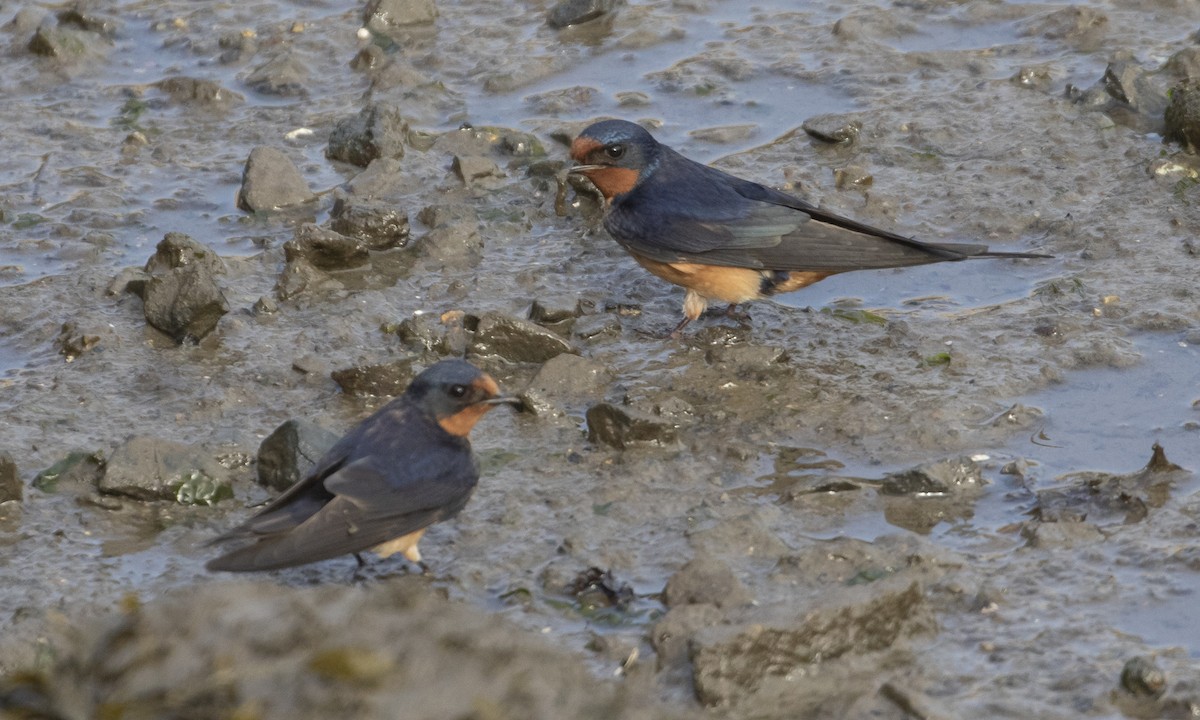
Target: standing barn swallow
{"points": [[724, 238], [404, 468]]}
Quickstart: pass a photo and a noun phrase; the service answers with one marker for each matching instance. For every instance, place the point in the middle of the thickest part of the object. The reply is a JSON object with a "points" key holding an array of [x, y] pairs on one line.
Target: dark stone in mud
{"points": [[384, 379], [558, 314], [290, 453], [833, 128], [1105, 498], [1184, 64], [474, 168], [516, 340], [182, 298], [73, 341], [563, 379], [61, 43], [237, 47], [384, 15], [574, 12], [283, 75], [81, 17], [622, 426], [378, 131], [455, 237], [944, 477], [388, 649], [197, 92], [147, 468], [379, 225], [446, 336], [271, 181], [10, 481], [595, 588], [1142, 677], [325, 249], [705, 580], [766, 645], [1182, 116], [79, 469]]}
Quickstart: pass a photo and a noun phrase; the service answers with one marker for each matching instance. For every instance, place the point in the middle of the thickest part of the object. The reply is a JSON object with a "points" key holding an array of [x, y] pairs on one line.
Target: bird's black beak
{"points": [[504, 400], [580, 169]]}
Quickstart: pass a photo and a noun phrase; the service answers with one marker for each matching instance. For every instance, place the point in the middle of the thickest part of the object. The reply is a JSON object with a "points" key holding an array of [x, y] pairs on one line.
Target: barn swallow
{"points": [[724, 238], [405, 467]]}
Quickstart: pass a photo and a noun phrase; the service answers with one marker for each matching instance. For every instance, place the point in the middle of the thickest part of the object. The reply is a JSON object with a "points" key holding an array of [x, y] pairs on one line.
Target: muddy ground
{"points": [[926, 493]]}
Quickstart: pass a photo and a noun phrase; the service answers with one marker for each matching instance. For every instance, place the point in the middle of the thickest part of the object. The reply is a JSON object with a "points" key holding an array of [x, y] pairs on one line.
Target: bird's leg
{"points": [[361, 562], [733, 313], [678, 331]]}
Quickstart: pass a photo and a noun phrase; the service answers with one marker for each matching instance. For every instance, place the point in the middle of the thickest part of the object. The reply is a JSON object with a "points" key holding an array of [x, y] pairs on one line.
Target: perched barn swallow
{"points": [[405, 467], [728, 239]]}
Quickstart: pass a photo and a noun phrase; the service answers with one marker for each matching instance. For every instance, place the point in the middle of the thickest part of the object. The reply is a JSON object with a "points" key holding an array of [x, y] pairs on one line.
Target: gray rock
{"points": [[563, 379], [559, 313], [10, 481], [705, 580], [379, 225], [198, 92], [833, 128], [1142, 677], [177, 250], [1182, 116], [384, 15], [237, 47], [282, 75], [61, 43], [147, 468], [622, 426], [943, 477], [289, 453], [760, 652], [271, 181], [378, 131], [384, 379], [454, 243], [182, 298], [380, 179], [473, 168], [325, 249], [515, 340], [574, 12]]}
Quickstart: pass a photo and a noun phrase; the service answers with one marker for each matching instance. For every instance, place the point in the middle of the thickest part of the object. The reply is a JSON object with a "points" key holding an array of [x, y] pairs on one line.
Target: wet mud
{"points": [[961, 490]]}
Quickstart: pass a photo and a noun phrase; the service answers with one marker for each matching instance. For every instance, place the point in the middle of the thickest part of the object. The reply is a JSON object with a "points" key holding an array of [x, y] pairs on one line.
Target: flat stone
{"points": [[147, 468], [385, 379], [563, 379], [516, 340], [622, 426]]}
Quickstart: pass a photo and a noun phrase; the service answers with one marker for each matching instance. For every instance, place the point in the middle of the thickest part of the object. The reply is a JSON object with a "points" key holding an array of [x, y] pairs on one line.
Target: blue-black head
{"points": [[456, 394], [616, 155]]}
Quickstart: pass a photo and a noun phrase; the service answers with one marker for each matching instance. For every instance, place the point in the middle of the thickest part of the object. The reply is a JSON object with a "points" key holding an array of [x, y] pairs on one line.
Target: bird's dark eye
{"points": [[614, 151], [457, 391]]}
